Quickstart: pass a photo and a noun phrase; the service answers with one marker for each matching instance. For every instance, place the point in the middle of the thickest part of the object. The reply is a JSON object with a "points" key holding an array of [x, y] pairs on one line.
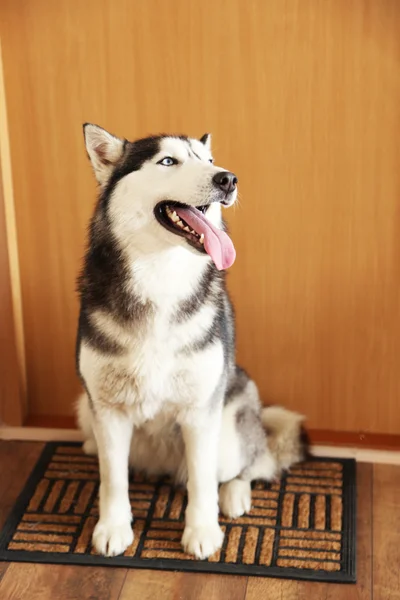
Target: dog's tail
{"points": [[287, 438]]}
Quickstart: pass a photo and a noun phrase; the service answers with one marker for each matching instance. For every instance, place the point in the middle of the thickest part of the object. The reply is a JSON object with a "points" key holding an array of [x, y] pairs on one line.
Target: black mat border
{"points": [[346, 575]]}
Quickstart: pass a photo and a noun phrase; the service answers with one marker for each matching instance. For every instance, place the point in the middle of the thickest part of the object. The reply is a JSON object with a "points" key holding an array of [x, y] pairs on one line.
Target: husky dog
{"points": [[156, 343]]}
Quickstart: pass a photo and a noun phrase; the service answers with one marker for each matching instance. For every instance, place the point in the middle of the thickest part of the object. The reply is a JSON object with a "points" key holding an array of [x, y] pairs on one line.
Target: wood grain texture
{"points": [[386, 533], [46, 582], [146, 585], [17, 460], [302, 98], [303, 590], [3, 569], [377, 441]]}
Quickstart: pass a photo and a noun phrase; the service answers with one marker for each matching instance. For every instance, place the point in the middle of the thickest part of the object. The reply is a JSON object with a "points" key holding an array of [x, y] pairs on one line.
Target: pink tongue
{"points": [[216, 242]]}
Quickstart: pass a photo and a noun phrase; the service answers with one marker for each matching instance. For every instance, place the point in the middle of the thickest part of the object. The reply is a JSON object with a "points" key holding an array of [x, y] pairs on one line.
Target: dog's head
{"points": [[164, 190]]}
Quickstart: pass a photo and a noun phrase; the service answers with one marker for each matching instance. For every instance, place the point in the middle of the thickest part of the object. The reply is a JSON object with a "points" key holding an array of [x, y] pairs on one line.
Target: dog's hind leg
{"points": [[235, 495], [243, 452], [277, 440]]}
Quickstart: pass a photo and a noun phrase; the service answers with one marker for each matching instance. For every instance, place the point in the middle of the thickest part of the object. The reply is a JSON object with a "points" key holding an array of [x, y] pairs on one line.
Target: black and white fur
{"points": [[156, 349]]}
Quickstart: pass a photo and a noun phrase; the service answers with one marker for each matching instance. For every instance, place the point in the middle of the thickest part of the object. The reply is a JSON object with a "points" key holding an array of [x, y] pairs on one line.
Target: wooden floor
{"points": [[378, 555]]}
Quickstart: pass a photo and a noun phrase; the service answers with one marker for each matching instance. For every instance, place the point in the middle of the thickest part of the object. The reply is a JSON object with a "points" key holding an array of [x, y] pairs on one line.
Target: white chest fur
{"points": [[156, 372]]}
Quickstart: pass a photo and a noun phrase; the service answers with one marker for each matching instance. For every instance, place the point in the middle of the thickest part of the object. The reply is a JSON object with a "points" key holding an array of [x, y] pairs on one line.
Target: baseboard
{"points": [[358, 439], [47, 434], [40, 434], [363, 455], [51, 421], [318, 437]]}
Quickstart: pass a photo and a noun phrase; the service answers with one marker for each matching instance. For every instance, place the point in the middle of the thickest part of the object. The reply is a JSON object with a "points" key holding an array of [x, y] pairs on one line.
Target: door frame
{"points": [[13, 406]]}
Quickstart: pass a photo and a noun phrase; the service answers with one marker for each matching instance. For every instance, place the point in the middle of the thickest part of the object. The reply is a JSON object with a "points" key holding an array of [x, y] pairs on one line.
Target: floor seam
{"points": [[372, 532], [122, 584]]}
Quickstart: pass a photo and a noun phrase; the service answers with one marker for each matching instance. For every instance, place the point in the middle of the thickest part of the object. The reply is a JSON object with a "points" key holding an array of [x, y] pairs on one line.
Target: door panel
{"points": [[303, 100]]}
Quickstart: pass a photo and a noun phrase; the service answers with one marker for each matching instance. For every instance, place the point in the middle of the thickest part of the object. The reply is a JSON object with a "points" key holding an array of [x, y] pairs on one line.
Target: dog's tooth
{"points": [[187, 229], [193, 231], [174, 217], [202, 238]]}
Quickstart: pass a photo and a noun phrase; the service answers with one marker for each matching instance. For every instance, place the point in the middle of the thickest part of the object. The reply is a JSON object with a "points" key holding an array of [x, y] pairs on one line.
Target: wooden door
{"points": [[303, 100]]}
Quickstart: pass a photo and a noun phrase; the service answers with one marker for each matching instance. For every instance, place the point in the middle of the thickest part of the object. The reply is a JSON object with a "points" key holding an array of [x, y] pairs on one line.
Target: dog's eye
{"points": [[167, 161]]}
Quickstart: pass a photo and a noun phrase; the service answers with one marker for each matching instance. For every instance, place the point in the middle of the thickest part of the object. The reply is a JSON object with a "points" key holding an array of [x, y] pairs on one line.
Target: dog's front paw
{"points": [[110, 539], [235, 498], [202, 541]]}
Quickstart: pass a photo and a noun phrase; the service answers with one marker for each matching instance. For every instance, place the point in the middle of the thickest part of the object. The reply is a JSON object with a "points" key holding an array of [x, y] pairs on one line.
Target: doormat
{"points": [[302, 527]]}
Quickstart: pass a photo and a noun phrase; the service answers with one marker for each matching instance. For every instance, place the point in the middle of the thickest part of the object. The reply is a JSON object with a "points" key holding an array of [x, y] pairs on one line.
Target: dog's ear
{"points": [[104, 151], [206, 140]]}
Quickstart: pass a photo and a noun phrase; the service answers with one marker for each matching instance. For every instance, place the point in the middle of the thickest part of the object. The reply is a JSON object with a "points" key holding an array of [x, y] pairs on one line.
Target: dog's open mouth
{"points": [[191, 223]]}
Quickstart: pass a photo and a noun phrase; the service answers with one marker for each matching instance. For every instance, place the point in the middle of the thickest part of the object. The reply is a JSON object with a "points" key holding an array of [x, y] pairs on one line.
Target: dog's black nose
{"points": [[225, 181]]}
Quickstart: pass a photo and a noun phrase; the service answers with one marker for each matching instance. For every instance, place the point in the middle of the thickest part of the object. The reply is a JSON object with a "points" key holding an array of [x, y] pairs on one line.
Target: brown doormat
{"points": [[301, 528]]}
